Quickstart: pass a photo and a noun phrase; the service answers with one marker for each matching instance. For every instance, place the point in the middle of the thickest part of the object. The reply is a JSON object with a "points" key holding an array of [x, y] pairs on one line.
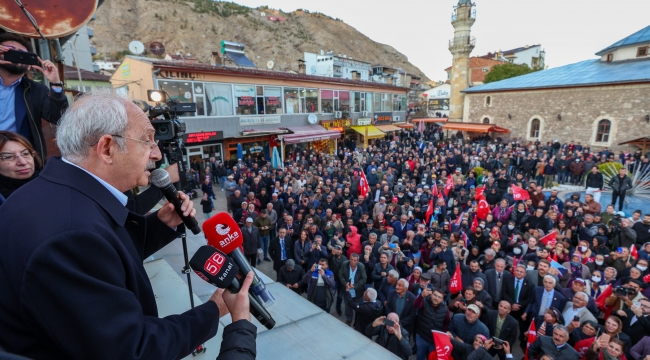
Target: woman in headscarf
{"points": [[482, 295], [414, 278], [598, 246], [595, 285], [575, 270]]}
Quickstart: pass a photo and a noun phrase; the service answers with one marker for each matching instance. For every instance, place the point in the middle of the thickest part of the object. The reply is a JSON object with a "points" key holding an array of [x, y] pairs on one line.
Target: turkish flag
{"points": [[519, 193], [549, 239], [429, 211], [443, 345], [434, 190], [531, 336], [483, 209], [633, 252], [363, 185], [474, 224], [600, 301], [449, 185], [456, 283], [647, 278], [479, 192]]}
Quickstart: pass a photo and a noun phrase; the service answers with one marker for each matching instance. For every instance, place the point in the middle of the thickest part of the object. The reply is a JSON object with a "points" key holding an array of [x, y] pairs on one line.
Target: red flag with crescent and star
{"points": [[363, 185]]}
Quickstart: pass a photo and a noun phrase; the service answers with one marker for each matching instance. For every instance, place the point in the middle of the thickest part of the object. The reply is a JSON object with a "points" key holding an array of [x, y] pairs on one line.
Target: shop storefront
{"points": [[368, 133], [204, 145], [256, 146], [313, 137]]}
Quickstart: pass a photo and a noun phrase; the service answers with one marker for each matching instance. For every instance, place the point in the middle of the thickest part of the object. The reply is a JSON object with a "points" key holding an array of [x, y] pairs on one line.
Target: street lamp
{"points": [[76, 62]]}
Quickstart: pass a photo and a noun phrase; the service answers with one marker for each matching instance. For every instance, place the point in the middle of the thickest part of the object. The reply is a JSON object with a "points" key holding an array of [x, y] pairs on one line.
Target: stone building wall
{"points": [[581, 109]]}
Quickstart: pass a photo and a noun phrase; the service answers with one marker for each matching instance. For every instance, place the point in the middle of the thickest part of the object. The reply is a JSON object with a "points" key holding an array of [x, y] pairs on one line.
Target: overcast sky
{"points": [[569, 30]]}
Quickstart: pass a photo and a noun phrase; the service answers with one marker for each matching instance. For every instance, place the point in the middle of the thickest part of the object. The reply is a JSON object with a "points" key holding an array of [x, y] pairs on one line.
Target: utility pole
{"points": [[76, 62]]}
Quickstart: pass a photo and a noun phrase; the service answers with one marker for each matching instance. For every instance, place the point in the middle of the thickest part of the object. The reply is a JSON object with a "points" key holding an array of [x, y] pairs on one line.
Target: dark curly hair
{"points": [[7, 36]]}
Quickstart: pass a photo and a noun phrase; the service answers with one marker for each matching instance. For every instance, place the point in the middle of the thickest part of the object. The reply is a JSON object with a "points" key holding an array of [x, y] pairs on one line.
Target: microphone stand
{"points": [[186, 269]]}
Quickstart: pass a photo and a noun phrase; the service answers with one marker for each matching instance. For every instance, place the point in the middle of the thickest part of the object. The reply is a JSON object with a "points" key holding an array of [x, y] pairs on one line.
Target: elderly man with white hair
{"points": [[402, 302], [367, 309], [544, 297], [575, 312], [72, 284]]}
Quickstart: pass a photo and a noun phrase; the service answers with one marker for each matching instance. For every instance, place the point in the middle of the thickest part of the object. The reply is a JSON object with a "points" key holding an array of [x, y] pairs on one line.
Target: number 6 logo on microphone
{"points": [[213, 264]]}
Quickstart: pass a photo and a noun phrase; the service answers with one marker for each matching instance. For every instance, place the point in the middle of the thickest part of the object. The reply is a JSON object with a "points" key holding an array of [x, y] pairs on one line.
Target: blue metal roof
{"points": [[639, 37], [584, 73]]}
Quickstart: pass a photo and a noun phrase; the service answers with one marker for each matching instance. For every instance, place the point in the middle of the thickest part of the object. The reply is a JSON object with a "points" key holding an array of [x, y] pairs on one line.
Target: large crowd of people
{"points": [[385, 258]]}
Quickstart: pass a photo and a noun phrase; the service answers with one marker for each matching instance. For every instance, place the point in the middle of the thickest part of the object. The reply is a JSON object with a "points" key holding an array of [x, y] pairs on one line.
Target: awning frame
{"points": [[474, 127]]}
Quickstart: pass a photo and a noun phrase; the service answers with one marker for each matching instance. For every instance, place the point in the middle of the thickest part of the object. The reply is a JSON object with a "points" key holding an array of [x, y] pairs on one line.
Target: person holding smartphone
{"points": [[390, 335], [24, 101]]}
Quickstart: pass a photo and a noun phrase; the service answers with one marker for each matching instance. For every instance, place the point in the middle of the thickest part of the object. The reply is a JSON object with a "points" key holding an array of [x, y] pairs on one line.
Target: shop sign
{"points": [[340, 124], [364, 121], [246, 101], [383, 118], [181, 75], [256, 149], [259, 120], [126, 70], [200, 137], [244, 90]]}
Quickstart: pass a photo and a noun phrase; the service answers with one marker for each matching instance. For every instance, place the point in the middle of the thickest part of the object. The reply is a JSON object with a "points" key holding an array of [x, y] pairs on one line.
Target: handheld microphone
{"points": [[160, 179], [216, 268], [224, 234]]}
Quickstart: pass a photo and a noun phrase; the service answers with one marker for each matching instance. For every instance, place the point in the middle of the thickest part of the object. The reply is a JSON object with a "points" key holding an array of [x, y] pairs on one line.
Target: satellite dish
{"points": [[312, 118], [157, 48], [136, 47], [269, 64], [55, 18]]}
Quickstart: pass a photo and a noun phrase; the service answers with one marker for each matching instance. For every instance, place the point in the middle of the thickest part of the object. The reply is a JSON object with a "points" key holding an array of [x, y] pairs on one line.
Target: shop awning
{"points": [[303, 134], [430, 120], [372, 131], [405, 125], [473, 127], [643, 143], [388, 128]]}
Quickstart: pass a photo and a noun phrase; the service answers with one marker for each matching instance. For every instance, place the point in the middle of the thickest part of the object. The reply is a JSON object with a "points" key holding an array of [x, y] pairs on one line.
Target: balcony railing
{"points": [[462, 41]]}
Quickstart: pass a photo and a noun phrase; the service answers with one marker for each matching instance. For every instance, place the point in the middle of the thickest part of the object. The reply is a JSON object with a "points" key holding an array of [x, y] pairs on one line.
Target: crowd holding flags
{"points": [[519, 194], [363, 185], [531, 336], [549, 239]]}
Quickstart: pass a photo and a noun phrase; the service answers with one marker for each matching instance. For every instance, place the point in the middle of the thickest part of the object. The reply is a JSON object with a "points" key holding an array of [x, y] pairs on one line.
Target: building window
{"points": [[344, 97], [602, 132], [246, 99], [327, 101], [179, 91], [610, 57], [642, 51], [534, 128], [488, 101], [218, 99], [486, 121], [272, 100]]}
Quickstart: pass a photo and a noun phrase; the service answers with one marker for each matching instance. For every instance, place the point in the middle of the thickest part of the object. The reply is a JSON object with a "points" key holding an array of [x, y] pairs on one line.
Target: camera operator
{"points": [[624, 296], [587, 229], [624, 235], [23, 102]]}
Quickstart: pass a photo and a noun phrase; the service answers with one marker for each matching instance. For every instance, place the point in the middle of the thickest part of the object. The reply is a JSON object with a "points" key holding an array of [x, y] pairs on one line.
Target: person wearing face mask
{"points": [[598, 264], [595, 285], [576, 269]]}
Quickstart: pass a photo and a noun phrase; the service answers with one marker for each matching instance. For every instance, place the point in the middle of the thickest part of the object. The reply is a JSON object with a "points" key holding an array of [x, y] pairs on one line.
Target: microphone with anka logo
{"points": [[160, 179], [224, 234], [219, 270]]}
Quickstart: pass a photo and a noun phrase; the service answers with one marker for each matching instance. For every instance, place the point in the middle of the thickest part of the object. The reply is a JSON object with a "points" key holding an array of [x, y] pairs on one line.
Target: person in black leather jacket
{"points": [[620, 185]]}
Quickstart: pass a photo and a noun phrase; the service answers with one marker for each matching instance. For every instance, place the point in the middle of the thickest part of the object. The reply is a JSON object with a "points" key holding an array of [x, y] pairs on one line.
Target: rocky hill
{"points": [[197, 27]]}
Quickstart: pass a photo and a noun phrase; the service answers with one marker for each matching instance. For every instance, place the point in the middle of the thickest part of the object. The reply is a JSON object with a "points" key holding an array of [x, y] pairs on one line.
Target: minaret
{"points": [[461, 46]]}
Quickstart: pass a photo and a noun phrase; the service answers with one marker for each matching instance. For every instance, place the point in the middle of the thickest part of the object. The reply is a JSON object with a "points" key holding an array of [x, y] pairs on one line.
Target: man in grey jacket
{"points": [[555, 345]]}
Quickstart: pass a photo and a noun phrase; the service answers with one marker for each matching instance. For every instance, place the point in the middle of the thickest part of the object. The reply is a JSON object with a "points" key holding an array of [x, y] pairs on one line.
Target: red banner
{"points": [[363, 185], [456, 283], [449, 185], [549, 239], [443, 345], [519, 194]]}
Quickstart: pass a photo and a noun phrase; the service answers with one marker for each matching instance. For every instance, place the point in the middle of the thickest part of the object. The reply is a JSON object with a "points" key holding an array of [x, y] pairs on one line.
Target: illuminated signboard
{"points": [[205, 136], [383, 118], [340, 124]]}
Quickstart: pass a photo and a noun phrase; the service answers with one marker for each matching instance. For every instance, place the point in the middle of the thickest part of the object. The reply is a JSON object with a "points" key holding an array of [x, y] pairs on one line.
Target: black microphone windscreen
{"points": [[213, 266]]}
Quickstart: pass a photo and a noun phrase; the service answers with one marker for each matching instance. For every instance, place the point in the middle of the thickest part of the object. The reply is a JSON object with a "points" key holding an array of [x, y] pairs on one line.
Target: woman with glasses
{"points": [[19, 163]]}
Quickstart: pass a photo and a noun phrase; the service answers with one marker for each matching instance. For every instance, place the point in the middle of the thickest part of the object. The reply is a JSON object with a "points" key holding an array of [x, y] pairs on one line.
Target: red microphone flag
{"points": [[363, 185], [519, 193], [549, 239], [456, 283], [531, 336], [223, 233]]}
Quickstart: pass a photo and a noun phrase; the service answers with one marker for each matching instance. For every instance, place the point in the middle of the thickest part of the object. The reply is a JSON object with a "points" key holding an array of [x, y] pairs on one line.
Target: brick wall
{"points": [[580, 108]]}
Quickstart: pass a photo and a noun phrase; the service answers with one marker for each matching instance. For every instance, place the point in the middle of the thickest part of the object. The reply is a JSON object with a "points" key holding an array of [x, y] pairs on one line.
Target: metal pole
{"points": [[76, 62]]}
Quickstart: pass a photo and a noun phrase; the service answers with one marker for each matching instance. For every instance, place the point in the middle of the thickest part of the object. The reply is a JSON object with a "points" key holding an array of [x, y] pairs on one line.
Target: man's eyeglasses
{"points": [[152, 144], [10, 158]]}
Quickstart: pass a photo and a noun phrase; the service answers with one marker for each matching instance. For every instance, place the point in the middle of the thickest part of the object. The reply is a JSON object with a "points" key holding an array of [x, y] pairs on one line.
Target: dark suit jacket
{"points": [[525, 293], [491, 276], [367, 312], [359, 277], [74, 286], [407, 317], [509, 329], [637, 331], [558, 301], [275, 251], [251, 240]]}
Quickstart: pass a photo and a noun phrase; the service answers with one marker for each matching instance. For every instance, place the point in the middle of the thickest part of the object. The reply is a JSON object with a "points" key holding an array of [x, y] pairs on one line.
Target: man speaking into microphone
{"points": [[72, 283]]}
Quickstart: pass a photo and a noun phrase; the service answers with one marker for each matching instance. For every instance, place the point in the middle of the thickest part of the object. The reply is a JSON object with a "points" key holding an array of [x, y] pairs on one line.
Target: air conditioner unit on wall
{"points": [[364, 113], [395, 118], [338, 114]]}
